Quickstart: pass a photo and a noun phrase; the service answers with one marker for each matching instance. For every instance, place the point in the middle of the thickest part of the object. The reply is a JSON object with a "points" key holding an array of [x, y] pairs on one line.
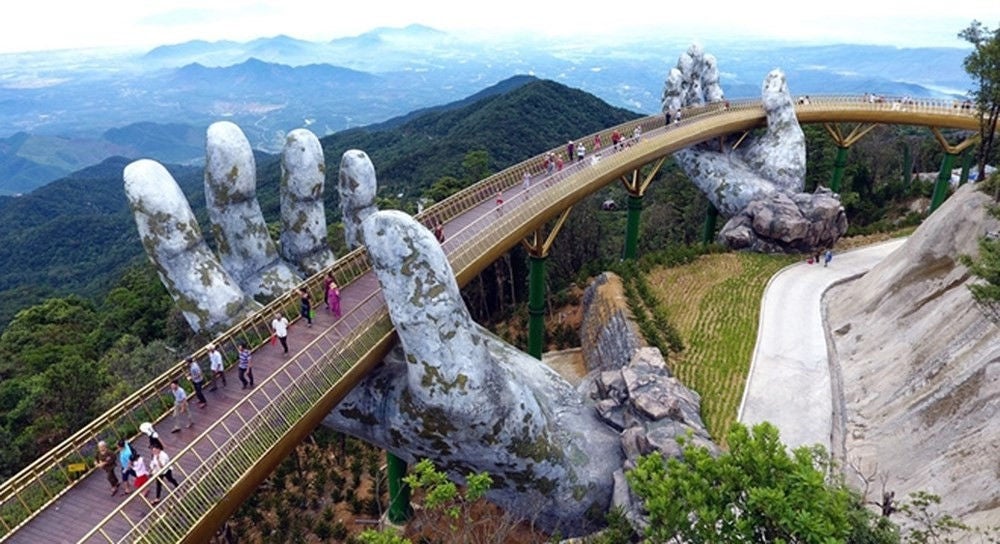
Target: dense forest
{"points": [[87, 320]]}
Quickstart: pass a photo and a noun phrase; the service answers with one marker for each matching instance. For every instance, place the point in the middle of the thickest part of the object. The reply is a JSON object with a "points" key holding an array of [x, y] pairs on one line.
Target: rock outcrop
{"points": [[608, 335], [759, 183], [634, 390], [920, 366]]}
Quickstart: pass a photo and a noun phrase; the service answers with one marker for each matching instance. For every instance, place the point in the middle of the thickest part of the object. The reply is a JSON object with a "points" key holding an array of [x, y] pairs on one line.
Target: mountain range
{"points": [[77, 234], [63, 111]]}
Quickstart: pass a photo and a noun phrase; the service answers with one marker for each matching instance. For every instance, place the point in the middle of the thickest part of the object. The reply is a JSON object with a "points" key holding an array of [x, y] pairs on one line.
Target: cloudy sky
{"points": [[57, 24]]}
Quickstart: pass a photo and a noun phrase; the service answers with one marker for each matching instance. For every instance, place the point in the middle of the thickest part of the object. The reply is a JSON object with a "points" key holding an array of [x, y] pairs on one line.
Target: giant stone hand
{"points": [[759, 184], [215, 292], [455, 393]]}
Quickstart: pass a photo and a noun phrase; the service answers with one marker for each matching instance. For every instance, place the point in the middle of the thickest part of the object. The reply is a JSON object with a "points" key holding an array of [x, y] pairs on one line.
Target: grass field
{"points": [[714, 303]]}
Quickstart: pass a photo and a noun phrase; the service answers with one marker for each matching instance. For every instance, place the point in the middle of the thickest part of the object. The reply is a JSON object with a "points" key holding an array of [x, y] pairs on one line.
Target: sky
{"points": [[37, 25]]}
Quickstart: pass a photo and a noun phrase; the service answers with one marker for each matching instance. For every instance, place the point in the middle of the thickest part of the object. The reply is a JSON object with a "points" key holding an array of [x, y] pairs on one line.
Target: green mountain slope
{"points": [[76, 235]]}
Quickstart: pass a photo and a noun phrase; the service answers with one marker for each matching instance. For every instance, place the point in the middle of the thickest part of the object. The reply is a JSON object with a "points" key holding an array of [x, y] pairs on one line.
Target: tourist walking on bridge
{"points": [[106, 460], [197, 378], [279, 327], [180, 406], [244, 367], [333, 290], [125, 461], [158, 465], [217, 366], [305, 305]]}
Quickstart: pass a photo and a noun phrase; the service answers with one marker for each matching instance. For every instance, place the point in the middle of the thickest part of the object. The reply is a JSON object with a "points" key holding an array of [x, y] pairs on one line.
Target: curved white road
{"points": [[789, 382]]}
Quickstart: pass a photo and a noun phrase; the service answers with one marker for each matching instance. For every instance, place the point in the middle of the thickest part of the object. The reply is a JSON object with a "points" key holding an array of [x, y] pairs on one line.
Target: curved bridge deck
{"points": [[242, 435]]}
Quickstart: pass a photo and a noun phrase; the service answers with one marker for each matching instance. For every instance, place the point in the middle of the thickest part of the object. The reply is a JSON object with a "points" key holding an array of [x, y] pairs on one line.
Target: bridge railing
{"points": [[248, 431], [43, 481], [48, 477]]}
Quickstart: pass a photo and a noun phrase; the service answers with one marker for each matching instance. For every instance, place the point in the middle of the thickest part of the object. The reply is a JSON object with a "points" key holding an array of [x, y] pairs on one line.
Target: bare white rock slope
{"points": [[920, 366]]}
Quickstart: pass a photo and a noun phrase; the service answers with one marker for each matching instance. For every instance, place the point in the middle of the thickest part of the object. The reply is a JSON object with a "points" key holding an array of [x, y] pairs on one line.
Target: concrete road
{"points": [[789, 382]]}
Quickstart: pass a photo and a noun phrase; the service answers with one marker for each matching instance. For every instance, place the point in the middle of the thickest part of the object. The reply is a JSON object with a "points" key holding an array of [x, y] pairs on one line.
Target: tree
{"points": [[983, 65], [452, 514], [755, 492]]}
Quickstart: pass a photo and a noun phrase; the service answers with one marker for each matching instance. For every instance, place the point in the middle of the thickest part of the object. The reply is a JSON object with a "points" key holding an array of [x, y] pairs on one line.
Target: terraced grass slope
{"points": [[714, 303]]}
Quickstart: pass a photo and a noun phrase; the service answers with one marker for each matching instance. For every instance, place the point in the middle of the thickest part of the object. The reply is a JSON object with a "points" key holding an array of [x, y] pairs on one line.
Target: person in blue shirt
{"points": [[125, 460]]}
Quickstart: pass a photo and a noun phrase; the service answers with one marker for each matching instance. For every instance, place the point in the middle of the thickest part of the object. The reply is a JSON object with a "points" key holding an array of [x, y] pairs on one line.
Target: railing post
{"points": [[399, 492], [943, 181], [632, 227]]}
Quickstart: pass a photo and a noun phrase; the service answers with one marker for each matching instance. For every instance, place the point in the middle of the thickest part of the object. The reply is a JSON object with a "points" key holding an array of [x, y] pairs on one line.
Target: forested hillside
{"points": [[76, 235]]}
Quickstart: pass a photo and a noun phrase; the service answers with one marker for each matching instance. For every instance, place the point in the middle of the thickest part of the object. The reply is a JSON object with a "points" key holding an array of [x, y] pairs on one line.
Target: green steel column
{"points": [[966, 165], [711, 216], [536, 306], [838, 168], [632, 228], [943, 180], [907, 167], [399, 493]]}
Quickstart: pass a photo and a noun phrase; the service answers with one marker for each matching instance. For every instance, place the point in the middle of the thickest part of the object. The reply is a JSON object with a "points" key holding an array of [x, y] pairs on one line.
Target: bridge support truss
{"points": [[636, 186], [947, 163], [844, 142], [538, 246]]}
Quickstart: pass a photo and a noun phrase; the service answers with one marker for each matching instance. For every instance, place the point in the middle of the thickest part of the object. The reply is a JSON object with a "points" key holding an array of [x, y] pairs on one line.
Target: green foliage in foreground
{"points": [[986, 265], [755, 492]]}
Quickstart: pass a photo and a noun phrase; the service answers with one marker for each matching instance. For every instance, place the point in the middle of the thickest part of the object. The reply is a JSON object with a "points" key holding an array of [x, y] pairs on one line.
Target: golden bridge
{"points": [[242, 436]]}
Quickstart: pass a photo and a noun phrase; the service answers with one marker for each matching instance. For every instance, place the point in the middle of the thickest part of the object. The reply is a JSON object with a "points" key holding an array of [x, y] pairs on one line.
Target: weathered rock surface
{"points": [[608, 336], [458, 395], [303, 219], [759, 183], [244, 245], [633, 388], [920, 367], [203, 290], [357, 187], [214, 292], [799, 222]]}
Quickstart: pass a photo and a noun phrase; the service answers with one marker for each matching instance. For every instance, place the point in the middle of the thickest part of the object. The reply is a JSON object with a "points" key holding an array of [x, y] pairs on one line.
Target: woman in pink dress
{"points": [[333, 298]]}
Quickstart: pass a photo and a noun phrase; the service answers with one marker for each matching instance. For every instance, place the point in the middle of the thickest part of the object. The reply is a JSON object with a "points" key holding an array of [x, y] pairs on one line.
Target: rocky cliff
{"points": [[920, 367]]}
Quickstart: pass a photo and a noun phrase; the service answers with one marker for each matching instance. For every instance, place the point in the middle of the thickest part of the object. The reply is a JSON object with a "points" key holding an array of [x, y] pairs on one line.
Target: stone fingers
{"points": [[206, 294], [357, 186], [435, 329], [244, 244], [303, 219]]}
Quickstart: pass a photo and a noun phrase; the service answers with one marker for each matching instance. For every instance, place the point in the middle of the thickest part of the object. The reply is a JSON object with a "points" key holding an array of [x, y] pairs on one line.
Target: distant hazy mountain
{"points": [[270, 86]]}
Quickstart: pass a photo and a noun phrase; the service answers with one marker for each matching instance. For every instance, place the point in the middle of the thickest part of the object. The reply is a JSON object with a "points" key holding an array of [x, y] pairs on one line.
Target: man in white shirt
{"points": [[158, 466], [280, 327], [217, 366]]}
